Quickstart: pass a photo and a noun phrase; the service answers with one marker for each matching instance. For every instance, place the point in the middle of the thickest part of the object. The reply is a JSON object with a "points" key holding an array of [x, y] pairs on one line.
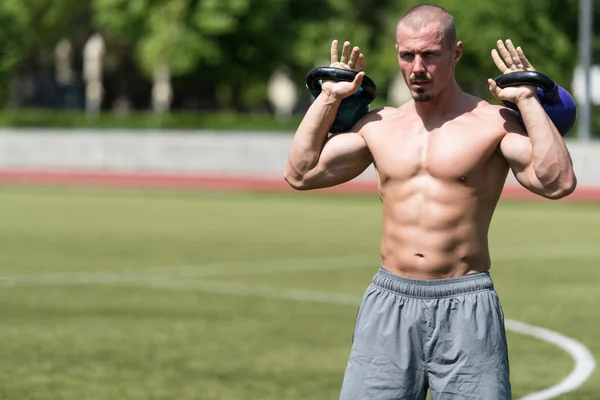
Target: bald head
{"points": [[418, 17]]}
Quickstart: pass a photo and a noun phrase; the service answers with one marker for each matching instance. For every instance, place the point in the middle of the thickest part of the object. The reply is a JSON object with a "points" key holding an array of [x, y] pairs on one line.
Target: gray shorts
{"points": [[445, 335]]}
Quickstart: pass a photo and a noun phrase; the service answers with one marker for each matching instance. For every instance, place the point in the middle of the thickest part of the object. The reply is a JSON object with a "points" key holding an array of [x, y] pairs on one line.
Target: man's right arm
{"points": [[316, 161]]}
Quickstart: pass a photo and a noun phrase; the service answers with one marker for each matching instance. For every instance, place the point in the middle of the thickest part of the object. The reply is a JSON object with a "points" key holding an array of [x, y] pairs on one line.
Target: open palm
{"points": [[510, 59], [350, 60]]}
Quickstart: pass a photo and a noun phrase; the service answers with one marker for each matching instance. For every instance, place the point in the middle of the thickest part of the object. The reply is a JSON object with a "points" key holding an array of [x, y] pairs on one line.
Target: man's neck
{"points": [[435, 110]]}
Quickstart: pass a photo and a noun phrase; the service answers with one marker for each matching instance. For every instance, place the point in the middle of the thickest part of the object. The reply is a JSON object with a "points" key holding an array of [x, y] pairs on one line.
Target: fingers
{"points": [[508, 57], [352, 57], [334, 51], [498, 61], [514, 55], [526, 64], [345, 53], [361, 62], [504, 53], [493, 87], [358, 80]]}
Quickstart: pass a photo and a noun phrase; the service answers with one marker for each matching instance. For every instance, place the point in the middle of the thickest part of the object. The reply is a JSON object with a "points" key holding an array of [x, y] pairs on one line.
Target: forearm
{"points": [[311, 134], [550, 159]]}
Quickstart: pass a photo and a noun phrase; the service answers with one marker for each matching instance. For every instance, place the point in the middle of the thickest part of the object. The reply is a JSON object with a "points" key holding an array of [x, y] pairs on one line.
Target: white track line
{"points": [[155, 278], [534, 252], [210, 269], [582, 357], [234, 289], [546, 251]]}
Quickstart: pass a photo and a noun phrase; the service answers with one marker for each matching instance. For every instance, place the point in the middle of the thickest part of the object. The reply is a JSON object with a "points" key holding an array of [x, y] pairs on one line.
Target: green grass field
{"points": [[161, 295]]}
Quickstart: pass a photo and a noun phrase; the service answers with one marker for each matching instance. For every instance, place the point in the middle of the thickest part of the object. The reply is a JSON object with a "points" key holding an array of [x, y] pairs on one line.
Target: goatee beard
{"points": [[422, 97]]}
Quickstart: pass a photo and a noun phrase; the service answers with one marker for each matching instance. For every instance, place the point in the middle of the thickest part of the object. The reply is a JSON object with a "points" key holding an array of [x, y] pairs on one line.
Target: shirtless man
{"points": [[431, 319]]}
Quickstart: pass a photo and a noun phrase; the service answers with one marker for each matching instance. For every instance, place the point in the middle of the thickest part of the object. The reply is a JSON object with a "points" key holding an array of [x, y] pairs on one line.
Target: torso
{"points": [[439, 186]]}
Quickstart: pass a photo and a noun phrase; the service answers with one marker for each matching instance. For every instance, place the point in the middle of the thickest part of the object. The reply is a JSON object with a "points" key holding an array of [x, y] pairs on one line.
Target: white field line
{"points": [[191, 271], [541, 252], [546, 251], [582, 357], [241, 289], [155, 278]]}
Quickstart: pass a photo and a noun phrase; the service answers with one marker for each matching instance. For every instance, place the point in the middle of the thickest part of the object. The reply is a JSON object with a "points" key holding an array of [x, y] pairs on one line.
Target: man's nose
{"points": [[418, 65]]}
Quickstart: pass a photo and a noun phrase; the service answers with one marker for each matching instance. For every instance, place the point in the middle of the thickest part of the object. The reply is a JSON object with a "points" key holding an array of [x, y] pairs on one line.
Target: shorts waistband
{"points": [[432, 288]]}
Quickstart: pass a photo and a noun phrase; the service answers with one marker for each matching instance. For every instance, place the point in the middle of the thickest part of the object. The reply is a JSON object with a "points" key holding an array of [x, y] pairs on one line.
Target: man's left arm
{"points": [[539, 159], [537, 155]]}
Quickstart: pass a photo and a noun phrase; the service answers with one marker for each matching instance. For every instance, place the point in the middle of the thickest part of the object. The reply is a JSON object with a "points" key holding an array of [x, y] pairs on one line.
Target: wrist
{"points": [[330, 98], [525, 98]]}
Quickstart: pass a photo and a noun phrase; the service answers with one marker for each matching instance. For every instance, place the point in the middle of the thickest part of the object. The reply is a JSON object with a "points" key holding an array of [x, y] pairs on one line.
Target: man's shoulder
{"points": [[500, 114], [383, 112], [375, 117], [386, 113]]}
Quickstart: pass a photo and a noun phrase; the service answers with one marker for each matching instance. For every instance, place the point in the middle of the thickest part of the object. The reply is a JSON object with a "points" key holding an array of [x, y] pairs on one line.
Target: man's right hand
{"points": [[352, 60], [316, 160]]}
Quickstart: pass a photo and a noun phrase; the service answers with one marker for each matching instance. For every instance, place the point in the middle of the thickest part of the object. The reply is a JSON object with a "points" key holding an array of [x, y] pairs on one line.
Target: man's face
{"points": [[426, 60]]}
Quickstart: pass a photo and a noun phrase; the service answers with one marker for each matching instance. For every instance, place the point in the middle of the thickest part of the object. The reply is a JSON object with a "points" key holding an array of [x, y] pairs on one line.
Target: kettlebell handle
{"points": [[519, 78], [315, 75]]}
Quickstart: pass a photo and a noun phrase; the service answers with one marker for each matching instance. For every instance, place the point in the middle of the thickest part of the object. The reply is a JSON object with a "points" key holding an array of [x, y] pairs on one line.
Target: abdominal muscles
{"points": [[434, 228]]}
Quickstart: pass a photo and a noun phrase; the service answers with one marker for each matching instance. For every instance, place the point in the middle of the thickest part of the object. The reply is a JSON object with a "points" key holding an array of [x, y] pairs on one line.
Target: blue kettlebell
{"points": [[556, 101]]}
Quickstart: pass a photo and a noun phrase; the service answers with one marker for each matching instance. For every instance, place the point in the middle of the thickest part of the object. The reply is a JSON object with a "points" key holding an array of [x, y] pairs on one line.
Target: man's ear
{"points": [[458, 51]]}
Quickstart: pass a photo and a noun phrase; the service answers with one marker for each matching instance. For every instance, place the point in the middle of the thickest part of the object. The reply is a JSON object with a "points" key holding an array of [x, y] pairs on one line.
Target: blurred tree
{"points": [[317, 23], [546, 30], [251, 53], [178, 33], [13, 20], [181, 35], [235, 45], [29, 31], [226, 50]]}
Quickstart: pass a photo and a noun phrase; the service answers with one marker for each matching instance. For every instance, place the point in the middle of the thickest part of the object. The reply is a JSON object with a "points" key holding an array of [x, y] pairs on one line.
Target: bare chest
{"points": [[445, 154]]}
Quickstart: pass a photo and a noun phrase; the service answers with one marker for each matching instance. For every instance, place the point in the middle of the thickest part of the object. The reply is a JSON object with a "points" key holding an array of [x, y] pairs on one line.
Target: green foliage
{"points": [[29, 29], [530, 25], [37, 25], [178, 34], [237, 44], [13, 22], [219, 17], [224, 120], [121, 20], [167, 41]]}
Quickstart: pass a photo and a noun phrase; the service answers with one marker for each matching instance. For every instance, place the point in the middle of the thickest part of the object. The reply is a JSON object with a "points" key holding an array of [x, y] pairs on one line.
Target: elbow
{"points": [[294, 176], [563, 189], [295, 181]]}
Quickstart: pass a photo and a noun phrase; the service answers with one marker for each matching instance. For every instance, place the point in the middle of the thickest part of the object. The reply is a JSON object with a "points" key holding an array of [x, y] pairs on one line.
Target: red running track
{"points": [[222, 182]]}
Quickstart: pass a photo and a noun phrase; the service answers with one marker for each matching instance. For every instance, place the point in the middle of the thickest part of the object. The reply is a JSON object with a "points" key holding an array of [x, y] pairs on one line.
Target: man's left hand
{"points": [[510, 59]]}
